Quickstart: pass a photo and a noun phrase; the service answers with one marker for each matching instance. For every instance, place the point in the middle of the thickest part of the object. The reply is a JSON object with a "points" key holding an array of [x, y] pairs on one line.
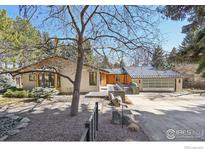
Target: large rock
{"points": [[13, 132], [126, 119], [22, 125], [116, 117], [117, 101], [25, 120], [133, 127]]}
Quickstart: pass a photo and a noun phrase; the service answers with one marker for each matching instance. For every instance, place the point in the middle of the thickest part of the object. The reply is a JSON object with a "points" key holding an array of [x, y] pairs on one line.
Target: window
{"points": [[93, 78], [46, 80], [32, 77]]}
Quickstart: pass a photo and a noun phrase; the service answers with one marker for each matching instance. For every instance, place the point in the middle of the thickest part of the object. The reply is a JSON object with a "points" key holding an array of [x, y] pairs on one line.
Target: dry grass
{"points": [[12, 101]]}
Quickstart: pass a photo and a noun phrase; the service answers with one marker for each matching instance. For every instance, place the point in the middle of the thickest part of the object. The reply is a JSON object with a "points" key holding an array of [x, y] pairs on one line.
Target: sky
{"points": [[170, 30]]}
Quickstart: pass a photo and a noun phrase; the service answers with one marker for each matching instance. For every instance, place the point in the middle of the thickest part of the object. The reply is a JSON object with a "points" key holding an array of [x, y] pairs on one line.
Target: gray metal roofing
{"points": [[144, 72], [116, 71], [150, 72]]}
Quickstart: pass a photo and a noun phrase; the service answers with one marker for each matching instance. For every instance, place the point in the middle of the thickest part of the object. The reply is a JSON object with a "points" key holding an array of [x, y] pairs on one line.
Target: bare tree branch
{"points": [[15, 73]]}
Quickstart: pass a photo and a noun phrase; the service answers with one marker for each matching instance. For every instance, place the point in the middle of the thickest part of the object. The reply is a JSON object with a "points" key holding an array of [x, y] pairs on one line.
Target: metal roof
{"points": [[116, 71], [150, 72]]}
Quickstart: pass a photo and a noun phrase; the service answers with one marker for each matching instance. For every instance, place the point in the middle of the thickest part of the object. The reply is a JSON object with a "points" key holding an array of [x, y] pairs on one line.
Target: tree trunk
{"points": [[76, 91]]}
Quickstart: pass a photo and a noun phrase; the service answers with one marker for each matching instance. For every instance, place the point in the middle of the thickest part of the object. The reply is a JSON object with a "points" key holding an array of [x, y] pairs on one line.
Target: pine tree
{"points": [[158, 58]]}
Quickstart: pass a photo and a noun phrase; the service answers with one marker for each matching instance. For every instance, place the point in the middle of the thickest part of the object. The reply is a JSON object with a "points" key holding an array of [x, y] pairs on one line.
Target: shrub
{"points": [[40, 92], [11, 93], [8, 93], [6, 82]]}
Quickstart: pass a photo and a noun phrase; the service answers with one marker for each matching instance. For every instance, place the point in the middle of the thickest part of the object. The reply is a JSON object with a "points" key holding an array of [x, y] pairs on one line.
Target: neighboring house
{"points": [[147, 77], [90, 76]]}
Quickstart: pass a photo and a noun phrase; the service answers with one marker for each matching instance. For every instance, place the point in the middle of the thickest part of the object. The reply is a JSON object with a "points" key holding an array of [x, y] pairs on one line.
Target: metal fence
{"points": [[91, 126]]}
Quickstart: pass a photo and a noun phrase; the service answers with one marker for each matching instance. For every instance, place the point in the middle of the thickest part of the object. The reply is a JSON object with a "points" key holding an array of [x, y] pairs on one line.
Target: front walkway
{"points": [[169, 116]]}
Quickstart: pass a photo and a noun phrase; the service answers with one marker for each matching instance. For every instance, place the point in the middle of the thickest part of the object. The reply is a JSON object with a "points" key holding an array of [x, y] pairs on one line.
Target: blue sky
{"points": [[171, 30]]}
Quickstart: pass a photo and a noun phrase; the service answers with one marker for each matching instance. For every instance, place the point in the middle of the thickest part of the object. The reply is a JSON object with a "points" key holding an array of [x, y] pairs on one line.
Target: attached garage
{"points": [[151, 79], [148, 78], [163, 84]]}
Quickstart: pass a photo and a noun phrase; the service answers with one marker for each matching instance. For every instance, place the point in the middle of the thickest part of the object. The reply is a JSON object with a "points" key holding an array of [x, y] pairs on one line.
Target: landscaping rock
{"points": [[4, 138], [13, 132], [126, 119], [116, 101], [116, 117], [22, 125], [133, 127], [127, 100], [14, 117], [25, 120], [111, 96], [4, 108], [40, 100]]}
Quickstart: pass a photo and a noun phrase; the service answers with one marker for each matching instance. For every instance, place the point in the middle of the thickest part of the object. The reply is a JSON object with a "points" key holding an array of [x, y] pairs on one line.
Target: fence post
{"points": [[96, 115], [94, 124], [87, 125]]}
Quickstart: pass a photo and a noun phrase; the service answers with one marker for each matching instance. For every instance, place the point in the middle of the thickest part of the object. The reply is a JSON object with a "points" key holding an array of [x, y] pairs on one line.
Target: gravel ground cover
{"points": [[50, 121]]}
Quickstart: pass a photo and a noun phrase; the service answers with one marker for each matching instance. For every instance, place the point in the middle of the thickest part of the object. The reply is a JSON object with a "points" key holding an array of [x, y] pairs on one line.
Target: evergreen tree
{"points": [[158, 58]]}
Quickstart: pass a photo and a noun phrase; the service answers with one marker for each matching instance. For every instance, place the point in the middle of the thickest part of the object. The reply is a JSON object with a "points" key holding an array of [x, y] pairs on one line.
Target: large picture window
{"points": [[46, 80], [93, 78]]}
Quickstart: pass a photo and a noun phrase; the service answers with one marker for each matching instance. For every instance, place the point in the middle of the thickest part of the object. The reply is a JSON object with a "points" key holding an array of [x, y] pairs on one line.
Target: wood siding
{"points": [[103, 80], [122, 78]]}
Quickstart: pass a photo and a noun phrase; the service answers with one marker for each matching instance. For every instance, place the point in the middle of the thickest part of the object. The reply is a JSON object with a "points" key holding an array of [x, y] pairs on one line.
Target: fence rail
{"points": [[91, 126]]}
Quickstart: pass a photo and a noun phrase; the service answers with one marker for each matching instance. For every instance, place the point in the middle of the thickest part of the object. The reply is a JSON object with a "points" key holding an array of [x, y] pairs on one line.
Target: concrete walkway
{"points": [[171, 117]]}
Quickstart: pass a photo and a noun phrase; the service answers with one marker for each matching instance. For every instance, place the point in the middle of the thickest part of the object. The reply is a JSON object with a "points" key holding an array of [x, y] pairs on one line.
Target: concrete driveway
{"points": [[170, 116]]}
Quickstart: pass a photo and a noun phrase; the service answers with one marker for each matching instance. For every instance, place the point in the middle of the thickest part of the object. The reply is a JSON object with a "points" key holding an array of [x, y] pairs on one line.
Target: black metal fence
{"points": [[91, 126]]}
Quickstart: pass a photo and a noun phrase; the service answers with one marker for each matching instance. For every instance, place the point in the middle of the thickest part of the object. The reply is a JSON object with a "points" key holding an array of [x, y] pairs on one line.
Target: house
{"points": [[90, 75], [147, 77]]}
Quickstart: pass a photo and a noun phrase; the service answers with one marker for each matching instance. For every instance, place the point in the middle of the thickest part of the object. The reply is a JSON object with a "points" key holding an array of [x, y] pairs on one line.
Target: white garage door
{"points": [[158, 84]]}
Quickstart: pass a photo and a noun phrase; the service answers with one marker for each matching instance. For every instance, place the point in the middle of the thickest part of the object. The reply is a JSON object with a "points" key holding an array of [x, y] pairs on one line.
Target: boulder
{"points": [[116, 101], [13, 132], [126, 119], [25, 120], [22, 125], [111, 96], [116, 117], [133, 127], [127, 100]]}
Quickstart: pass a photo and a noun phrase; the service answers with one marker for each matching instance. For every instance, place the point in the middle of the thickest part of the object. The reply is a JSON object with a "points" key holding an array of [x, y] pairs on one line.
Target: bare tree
{"points": [[110, 29]]}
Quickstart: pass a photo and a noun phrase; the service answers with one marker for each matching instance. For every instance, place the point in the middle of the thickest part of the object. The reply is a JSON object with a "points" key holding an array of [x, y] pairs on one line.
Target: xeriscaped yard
{"points": [[159, 112], [51, 121]]}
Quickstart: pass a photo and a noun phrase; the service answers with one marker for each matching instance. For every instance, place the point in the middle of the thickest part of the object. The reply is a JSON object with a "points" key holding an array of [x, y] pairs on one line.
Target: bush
{"points": [[11, 93], [40, 92], [6, 82]]}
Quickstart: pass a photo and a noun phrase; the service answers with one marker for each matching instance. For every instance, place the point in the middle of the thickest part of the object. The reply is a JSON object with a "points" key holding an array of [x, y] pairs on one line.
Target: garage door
{"points": [[158, 84]]}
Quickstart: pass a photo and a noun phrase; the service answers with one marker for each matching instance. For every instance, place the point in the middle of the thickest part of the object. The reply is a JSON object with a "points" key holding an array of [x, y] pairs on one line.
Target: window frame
{"points": [[92, 78]]}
